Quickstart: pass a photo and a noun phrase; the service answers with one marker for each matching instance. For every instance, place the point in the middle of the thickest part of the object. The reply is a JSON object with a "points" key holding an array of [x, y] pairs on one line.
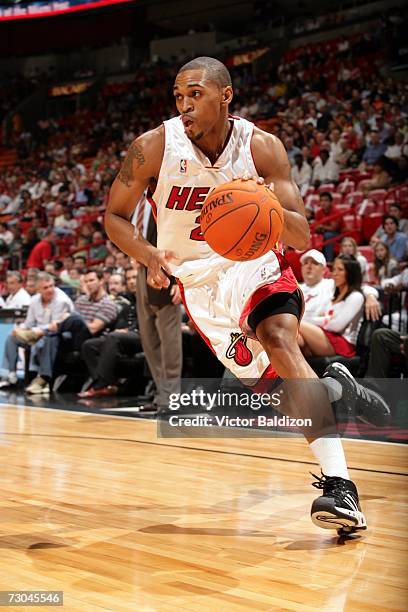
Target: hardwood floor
{"points": [[119, 519]]}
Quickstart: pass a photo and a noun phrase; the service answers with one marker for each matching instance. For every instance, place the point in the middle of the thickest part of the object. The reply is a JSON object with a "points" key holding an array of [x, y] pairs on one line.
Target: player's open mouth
{"points": [[187, 123]]}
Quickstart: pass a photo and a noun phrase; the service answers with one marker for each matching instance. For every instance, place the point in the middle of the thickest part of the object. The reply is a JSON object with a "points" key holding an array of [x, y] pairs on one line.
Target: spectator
{"points": [[385, 343], [329, 229], [396, 148], [325, 169], [374, 150], [94, 314], [394, 210], [68, 264], [385, 266], [47, 307], [336, 331], [98, 251], [6, 236], [17, 297], [79, 263], [396, 241], [291, 150], [348, 246], [42, 251], [101, 354], [301, 173], [116, 284], [380, 178]]}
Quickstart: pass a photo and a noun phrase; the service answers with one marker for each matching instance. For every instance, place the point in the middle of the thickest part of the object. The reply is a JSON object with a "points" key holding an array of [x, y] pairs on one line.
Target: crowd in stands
{"points": [[346, 133]]}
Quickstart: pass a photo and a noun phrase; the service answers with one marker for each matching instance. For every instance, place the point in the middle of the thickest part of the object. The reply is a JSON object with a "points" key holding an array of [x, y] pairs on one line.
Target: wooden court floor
{"points": [[118, 519]]}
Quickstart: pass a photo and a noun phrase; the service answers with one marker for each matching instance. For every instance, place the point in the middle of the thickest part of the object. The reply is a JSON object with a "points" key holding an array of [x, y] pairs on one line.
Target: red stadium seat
{"points": [[370, 224], [312, 201], [310, 190], [378, 195], [337, 198], [368, 253], [327, 187], [354, 198], [345, 187], [316, 241], [371, 275], [351, 223], [342, 207]]}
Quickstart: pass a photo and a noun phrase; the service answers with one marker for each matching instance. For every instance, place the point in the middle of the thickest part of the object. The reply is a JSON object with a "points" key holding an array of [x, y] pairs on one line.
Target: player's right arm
{"points": [[140, 167]]}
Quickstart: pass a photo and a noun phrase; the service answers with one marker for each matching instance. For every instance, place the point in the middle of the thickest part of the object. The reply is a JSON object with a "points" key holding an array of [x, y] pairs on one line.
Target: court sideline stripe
{"points": [[203, 450]]}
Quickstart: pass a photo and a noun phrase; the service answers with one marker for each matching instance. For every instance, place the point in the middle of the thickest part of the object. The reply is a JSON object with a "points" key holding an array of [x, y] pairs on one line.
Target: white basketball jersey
{"points": [[186, 177]]}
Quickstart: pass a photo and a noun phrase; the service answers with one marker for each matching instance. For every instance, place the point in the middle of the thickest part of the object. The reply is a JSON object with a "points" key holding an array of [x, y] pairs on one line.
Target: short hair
{"points": [[45, 277], [395, 205], [326, 194], [215, 70], [15, 273], [95, 270], [394, 219]]}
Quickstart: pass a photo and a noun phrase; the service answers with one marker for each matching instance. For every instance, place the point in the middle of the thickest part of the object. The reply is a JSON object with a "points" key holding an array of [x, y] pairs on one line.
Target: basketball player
{"points": [[180, 161]]}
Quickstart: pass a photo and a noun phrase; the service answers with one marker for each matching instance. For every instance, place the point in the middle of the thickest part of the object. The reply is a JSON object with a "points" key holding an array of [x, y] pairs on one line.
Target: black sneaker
{"points": [[339, 506], [366, 404]]}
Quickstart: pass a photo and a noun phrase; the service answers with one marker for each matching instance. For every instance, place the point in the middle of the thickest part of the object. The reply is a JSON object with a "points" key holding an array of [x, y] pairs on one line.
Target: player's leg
{"points": [[338, 507]]}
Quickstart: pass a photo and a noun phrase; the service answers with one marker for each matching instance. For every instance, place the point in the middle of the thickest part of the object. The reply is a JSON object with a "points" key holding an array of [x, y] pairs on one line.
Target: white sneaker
{"points": [[9, 381], [38, 386]]}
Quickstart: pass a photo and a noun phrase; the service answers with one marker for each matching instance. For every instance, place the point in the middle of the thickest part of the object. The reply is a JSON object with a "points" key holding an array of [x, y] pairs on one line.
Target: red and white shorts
{"points": [[220, 311]]}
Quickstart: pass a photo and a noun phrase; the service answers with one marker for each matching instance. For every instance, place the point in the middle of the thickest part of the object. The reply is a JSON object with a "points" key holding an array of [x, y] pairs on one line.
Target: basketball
{"points": [[241, 220]]}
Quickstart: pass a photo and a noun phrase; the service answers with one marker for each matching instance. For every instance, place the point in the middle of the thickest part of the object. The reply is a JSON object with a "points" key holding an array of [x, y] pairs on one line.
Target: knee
{"points": [[379, 336], [279, 339]]}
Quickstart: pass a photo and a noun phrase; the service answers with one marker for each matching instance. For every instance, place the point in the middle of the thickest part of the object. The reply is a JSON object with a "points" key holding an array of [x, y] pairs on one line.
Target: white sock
{"points": [[330, 455], [333, 387]]}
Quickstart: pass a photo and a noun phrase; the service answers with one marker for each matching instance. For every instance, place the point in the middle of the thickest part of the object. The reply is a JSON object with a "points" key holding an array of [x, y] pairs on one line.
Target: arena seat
{"points": [[347, 186], [370, 224], [368, 253], [378, 195], [330, 187], [354, 198], [351, 222], [337, 198]]}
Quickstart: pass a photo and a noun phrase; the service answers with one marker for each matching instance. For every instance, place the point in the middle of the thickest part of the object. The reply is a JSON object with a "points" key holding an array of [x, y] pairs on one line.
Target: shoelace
{"points": [[333, 485]]}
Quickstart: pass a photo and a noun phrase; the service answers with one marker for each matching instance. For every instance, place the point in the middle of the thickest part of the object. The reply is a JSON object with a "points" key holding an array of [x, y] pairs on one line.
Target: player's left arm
{"points": [[271, 162]]}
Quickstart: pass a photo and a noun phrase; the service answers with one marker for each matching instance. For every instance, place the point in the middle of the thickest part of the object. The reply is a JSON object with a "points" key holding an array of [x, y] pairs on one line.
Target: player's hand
{"points": [[175, 294], [258, 179], [158, 268], [372, 308]]}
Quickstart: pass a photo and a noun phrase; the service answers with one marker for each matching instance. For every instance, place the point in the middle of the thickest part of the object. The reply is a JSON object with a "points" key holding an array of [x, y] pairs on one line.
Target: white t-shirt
{"points": [[19, 300]]}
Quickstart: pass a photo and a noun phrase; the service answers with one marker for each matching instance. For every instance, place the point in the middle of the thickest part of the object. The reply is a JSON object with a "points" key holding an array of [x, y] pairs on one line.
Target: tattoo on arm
{"points": [[135, 154]]}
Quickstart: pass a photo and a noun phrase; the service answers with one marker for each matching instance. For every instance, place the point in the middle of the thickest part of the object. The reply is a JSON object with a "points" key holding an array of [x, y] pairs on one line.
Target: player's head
{"points": [[203, 91]]}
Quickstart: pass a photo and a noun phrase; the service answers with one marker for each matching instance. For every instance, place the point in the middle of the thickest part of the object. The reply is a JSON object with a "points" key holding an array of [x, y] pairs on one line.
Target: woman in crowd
{"points": [[385, 265], [348, 246], [336, 332]]}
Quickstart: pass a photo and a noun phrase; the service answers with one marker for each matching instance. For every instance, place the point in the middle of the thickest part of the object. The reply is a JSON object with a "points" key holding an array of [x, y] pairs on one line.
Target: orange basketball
{"points": [[241, 220]]}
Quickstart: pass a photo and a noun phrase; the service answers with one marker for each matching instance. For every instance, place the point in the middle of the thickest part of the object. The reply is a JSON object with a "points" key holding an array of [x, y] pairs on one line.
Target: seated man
{"points": [[94, 314], [17, 297], [46, 309], [329, 229], [100, 354]]}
